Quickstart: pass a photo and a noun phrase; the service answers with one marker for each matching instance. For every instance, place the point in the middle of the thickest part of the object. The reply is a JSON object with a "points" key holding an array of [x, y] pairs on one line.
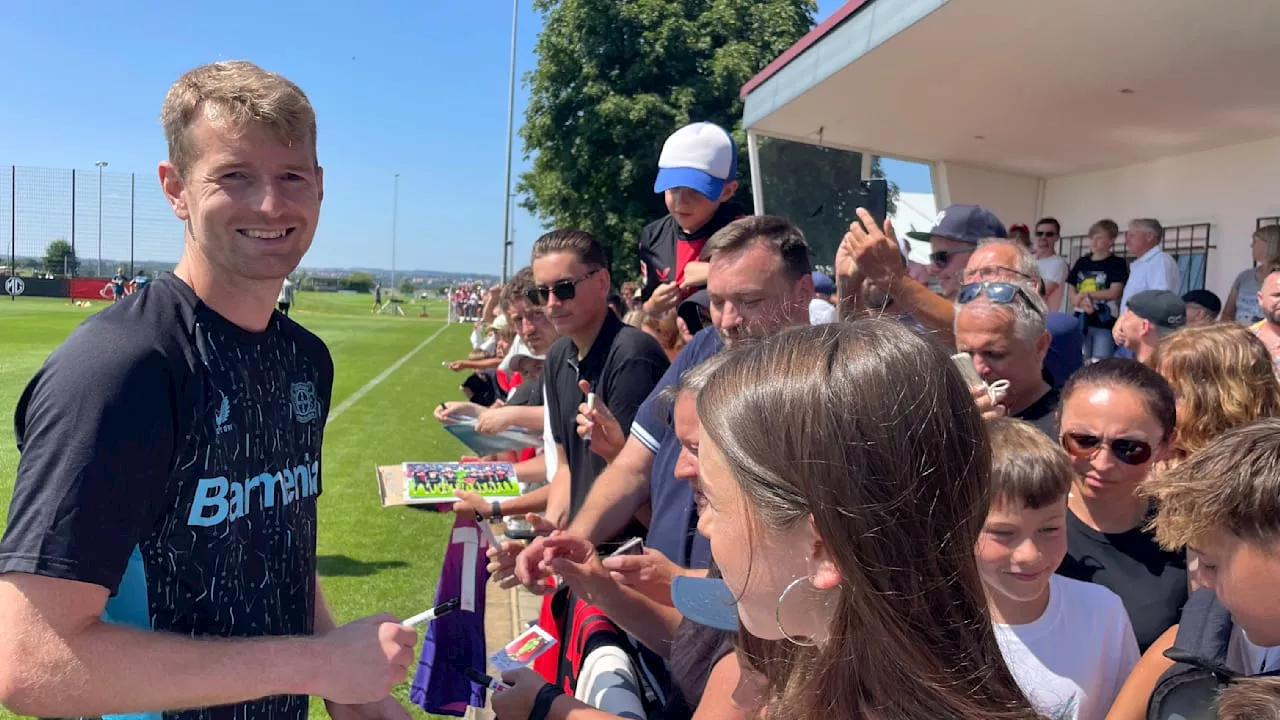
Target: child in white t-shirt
{"points": [[1068, 643]]}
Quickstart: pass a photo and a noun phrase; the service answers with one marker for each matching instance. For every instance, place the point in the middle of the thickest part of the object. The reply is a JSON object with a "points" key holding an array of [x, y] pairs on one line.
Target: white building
{"points": [[1077, 109]]}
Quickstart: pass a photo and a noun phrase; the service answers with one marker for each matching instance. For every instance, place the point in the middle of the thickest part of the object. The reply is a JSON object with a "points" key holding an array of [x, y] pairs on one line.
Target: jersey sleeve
{"points": [[96, 432], [647, 260]]}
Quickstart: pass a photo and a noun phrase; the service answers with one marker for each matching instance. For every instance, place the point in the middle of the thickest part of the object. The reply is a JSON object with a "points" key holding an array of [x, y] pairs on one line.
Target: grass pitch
{"points": [[370, 559]]}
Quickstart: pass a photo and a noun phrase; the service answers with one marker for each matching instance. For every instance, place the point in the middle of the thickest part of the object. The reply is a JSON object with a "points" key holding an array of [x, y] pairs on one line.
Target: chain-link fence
{"points": [[59, 223]]}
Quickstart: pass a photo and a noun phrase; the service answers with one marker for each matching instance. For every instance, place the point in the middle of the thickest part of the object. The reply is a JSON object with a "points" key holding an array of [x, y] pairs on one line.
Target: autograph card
{"points": [[527, 646]]}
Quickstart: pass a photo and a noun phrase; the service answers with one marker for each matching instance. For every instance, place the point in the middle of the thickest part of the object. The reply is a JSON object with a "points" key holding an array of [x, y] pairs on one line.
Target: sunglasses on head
{"points": [[1084, 445], [942, 257], [562, 289], [1001, 293]]}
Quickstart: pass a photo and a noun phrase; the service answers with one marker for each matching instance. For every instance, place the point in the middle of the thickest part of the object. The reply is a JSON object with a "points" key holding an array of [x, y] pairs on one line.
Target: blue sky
{"points": [[418, 88]]}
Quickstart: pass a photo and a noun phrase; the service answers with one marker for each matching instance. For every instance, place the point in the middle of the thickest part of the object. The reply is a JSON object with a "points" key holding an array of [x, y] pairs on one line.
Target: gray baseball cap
{"points": [[1163, 309]]}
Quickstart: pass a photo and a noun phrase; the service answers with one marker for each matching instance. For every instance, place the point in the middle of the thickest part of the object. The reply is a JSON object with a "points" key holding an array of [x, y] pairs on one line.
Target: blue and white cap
{"points": [[701, 156]]}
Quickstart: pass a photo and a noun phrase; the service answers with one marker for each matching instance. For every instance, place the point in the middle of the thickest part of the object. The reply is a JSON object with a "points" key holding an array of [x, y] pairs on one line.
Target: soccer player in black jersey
{"points": [[161, 545]]}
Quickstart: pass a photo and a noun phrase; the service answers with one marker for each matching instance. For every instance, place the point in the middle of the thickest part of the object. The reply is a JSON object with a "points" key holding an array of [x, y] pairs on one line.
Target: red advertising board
{"points": [[91, 288]]}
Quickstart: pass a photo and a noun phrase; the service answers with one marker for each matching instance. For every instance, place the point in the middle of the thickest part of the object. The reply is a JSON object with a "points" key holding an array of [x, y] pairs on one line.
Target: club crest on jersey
{"points": [[306, 406], [220, 424]]}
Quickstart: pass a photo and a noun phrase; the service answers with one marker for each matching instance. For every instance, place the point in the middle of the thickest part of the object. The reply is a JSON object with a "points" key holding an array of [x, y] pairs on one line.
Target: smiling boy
{"points": [[1068, 643]]}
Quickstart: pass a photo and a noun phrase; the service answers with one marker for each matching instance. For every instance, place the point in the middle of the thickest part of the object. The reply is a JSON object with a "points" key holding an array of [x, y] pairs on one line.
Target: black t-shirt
{"points": [[1043, 413], [695, 650], [665, 249], [622, 365], [1089, 275], [1151, 581], [174, 459]]}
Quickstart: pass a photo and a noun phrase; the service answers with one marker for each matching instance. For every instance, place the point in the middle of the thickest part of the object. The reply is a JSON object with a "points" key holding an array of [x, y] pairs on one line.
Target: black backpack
{"points": [[1189, 690]]}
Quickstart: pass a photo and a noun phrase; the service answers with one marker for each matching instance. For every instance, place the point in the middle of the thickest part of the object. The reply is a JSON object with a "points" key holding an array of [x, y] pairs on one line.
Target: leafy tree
{"points": [[361, 282], [60, 258], [407, 288], [614, 79]]}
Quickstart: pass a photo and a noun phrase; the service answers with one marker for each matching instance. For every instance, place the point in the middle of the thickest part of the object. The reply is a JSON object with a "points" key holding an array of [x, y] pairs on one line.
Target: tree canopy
{"points": [[60, 259], [614, 79]]}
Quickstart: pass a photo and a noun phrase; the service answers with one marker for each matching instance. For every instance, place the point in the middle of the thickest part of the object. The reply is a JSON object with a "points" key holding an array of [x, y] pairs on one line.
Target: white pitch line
{"points": [[364, 390]]}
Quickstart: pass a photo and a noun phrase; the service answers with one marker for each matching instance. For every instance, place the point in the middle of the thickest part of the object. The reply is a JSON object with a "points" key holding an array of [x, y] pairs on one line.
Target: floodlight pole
{"points": [[511, 115], [395, 207]]}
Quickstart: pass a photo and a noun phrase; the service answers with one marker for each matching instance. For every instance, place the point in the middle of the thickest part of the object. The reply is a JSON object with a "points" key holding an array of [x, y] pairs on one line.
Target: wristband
{"points": [[542, 703], [495, 510]]}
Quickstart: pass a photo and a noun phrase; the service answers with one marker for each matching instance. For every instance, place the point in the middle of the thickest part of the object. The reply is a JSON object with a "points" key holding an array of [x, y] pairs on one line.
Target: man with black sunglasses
{"points": [[596, 353], [1001, 324]]}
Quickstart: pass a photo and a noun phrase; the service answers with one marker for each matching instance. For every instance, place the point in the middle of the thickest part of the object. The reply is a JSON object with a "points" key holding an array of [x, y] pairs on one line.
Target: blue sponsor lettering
{"points": [[218, 500]]}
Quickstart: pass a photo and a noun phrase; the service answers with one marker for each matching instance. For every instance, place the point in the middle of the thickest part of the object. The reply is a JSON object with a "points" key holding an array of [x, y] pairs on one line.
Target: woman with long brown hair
{"points": [[842, 484]]}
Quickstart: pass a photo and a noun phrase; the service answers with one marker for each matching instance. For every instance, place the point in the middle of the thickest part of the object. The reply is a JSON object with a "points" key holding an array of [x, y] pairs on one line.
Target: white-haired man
{"points": [[1000, 322], [1154, 269]]}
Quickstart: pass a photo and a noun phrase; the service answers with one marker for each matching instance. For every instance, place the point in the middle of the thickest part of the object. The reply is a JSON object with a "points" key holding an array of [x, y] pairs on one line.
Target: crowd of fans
{"points": [[999, 489]]}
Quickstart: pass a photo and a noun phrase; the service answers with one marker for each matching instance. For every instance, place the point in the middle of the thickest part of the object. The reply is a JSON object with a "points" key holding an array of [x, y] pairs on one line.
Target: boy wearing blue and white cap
{"points": [[696, 174]]}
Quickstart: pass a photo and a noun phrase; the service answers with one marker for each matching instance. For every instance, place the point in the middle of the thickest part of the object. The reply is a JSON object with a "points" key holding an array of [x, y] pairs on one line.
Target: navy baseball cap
{"points": [[823, 284], [965, 224], [706, 601], [1204, 299]]}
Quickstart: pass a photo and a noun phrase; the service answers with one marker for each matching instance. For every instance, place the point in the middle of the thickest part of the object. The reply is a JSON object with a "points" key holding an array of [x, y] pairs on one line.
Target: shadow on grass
{"points": [[341, 565]]}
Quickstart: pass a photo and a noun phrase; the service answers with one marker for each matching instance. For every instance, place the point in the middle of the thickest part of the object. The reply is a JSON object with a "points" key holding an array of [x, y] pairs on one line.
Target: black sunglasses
{"points": [[942, 257], [1001, 293], [1084, 445], [562, 289]]}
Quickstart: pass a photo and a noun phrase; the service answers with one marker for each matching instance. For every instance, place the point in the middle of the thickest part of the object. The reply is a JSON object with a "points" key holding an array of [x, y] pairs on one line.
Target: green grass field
{"points": [[370, 559]]}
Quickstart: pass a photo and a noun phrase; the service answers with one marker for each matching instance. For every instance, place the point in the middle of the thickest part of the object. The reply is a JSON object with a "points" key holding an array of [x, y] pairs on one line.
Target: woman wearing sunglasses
{"points": [[1117, 422]]}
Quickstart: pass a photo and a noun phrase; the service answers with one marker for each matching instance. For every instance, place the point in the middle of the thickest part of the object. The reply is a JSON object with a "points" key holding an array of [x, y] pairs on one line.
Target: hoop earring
{"points": [[777, 615]]}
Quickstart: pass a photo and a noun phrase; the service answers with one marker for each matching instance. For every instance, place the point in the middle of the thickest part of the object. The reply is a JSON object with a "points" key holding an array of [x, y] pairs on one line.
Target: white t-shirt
{"points": [[1072, 661], [821, 312], [1053, 269]]}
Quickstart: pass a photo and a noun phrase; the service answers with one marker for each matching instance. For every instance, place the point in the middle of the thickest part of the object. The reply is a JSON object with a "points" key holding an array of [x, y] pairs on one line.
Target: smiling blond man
{"points": [[160, 550]]}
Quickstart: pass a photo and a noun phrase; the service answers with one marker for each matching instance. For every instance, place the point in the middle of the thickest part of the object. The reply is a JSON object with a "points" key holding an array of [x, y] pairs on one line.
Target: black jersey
{"points": [[665, 249], [174, 459]]}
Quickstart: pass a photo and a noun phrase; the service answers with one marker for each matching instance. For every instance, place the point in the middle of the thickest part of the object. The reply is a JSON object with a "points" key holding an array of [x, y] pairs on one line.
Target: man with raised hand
{"points": [[869, 252], [161, 545]]}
